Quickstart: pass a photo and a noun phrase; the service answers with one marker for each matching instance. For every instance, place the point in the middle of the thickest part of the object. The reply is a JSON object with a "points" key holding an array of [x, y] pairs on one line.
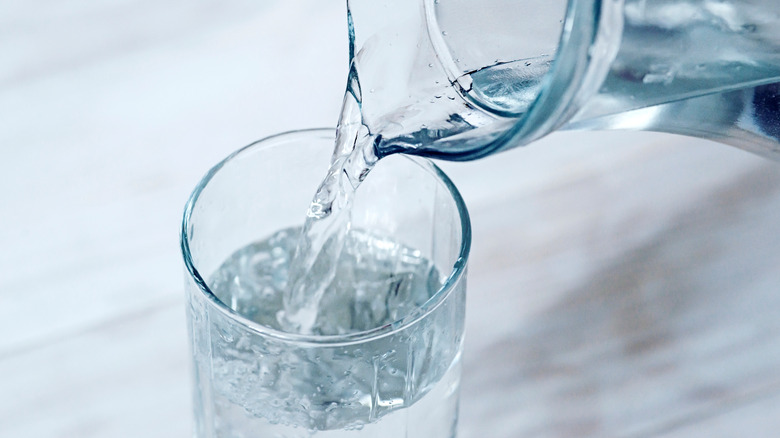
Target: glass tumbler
{"points": [[252, 380]]}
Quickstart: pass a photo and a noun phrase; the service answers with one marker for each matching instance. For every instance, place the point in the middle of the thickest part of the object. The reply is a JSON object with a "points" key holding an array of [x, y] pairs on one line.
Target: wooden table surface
{"points": [[621, 284]]}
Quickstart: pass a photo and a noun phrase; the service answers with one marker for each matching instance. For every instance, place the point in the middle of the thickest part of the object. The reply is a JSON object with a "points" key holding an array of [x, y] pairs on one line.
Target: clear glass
{"points": [[708, 69], [400, 379], [488, 75]]}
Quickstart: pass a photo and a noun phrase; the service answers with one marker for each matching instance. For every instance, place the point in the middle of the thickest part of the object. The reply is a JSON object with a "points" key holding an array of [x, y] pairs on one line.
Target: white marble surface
{"points": [[621, 284]]}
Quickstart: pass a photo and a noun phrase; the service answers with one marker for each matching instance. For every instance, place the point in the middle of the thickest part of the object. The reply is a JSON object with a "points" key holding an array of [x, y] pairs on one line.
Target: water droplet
{"points": [[430, 65], [371, 90], [444, 33]]}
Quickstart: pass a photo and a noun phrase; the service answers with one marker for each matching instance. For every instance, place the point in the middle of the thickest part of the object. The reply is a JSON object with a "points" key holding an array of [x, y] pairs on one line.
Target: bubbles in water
{"points": [[376, 282]]}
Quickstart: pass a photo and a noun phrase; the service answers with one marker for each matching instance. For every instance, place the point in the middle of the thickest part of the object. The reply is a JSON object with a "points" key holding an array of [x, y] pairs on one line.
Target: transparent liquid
{"points": [[315, 261], [675, 50], [669, 50], [404, 384], [434, 415], [374, 282]]}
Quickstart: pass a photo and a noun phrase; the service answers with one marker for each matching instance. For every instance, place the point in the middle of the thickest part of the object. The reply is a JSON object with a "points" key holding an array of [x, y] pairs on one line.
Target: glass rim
{"points": [[420, 313]]}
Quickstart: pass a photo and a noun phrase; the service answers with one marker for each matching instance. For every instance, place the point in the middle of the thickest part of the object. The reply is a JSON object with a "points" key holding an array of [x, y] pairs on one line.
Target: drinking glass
{"points": [[252, 380]]}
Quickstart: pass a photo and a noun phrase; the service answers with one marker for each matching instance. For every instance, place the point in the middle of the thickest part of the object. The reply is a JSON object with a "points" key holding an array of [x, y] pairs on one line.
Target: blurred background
{"points": [[621, 284]]}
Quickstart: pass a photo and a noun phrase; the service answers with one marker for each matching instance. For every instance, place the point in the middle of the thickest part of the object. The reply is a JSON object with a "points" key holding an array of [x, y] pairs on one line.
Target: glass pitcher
{"points": [[462, 79]]}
